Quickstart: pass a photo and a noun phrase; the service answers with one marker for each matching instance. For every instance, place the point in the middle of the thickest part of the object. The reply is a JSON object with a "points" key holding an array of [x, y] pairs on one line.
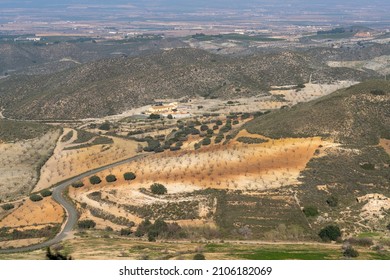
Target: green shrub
{"points": [[7, 206], [158, 189], [86, 224], [218, 122], [170, 117], [78, 184], [105, 126], [206, 141], [35, 197], [110, 178], [332, 201], [129, 176], [367, 166], [310, 211], [46, 193], [377, 92], [95, 180], [154, 117], [203, 127], [351, 253], [199, 256], [125, 232], [330, 233]]}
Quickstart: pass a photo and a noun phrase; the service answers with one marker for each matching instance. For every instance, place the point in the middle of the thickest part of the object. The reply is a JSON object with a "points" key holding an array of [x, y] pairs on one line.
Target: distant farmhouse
{"points": [[163, 108]]}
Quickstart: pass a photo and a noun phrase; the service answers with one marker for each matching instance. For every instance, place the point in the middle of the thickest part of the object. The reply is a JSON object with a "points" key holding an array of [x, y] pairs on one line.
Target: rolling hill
{"points": [[113, 85]]}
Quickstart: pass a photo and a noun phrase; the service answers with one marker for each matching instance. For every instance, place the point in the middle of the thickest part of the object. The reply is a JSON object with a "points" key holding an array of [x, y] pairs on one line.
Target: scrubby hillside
{"points": [[114, 85], [356, 115], [349, 184]]}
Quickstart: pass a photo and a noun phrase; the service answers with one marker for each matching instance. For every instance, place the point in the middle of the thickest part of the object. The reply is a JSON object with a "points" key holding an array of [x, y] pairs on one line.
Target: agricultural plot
{"points": [[30, 223], [232, 187], [20, 164], [81, 151]]}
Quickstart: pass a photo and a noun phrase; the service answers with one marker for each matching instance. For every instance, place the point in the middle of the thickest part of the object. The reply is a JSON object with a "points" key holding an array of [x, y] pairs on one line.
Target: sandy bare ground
{"points": [[65, 164], [385, 144], [30, 213], [19, 164]]}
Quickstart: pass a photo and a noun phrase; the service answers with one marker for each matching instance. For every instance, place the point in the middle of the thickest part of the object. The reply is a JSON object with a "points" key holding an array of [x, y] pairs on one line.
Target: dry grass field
{"points": [[20, 163], [34, 215], [70, 159]]}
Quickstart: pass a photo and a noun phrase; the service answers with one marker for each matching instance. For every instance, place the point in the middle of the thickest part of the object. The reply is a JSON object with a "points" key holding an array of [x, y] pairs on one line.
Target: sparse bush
{"points": [[105, 126], [143, 228], [154, 117], [388, 226], [364, 242], [46, 193], [78, 184], [35, 197], [152, 235], [129, 176], [125, 232], [251, 140], [95, 180], [332, 201], [110, 178], [108, 228], [367, 166], [158, 189], [86, 224], [199, 256], [330, 233], [351, 253], [310, 211], [7, 206], [377, 92], [245, 116]]}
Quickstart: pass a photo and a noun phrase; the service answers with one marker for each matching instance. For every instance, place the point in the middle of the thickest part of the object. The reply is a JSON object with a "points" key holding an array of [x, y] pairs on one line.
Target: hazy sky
{"points": [[188, 3]]}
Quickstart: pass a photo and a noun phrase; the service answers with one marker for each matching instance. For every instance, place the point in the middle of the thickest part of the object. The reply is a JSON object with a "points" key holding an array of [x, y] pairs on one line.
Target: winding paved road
{"points": [[71, 212]]}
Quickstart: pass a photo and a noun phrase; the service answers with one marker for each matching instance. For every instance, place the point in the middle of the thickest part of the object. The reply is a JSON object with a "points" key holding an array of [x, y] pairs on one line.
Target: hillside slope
{"points": [[356, 115], [113, 85], [354, 176]]}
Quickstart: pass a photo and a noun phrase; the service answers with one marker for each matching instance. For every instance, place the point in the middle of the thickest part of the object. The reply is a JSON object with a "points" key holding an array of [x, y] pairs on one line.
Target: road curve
{"points": [[71, 212]]}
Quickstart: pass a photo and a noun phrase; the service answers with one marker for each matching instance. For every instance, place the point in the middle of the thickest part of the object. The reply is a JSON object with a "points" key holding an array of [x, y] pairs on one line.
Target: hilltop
{"points": [[114, 85]]}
